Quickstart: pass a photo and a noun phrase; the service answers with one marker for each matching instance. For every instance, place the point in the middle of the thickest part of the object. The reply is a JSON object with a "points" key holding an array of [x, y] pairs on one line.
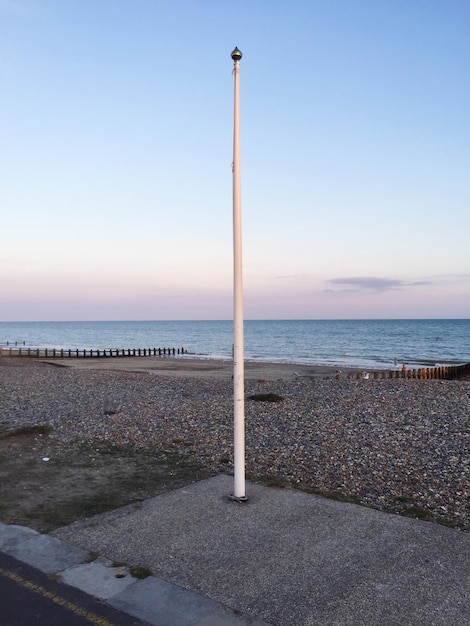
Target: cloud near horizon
{"points": [[355, 284]]}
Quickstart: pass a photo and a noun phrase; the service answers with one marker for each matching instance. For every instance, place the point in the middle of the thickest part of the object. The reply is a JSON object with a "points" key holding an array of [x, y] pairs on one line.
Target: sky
{"points": [[116, 144]]}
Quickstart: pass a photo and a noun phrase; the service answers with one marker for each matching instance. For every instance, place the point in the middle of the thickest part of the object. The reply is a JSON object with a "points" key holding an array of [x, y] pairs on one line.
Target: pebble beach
{"points": [[401, 446]]}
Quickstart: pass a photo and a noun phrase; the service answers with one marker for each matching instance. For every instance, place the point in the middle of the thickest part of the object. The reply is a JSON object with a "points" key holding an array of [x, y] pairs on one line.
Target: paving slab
{"points": [[29, 596], [98, 578], [48, 554], [11, 535], [164, 604], [290, 558]]}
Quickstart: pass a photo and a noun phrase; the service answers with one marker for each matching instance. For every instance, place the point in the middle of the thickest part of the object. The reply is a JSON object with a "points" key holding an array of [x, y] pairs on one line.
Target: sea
{"points": [[368, 344]]}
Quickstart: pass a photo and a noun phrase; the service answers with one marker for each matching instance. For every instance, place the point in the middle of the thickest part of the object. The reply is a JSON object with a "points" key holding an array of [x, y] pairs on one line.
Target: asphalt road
{"points": [[28, 597]]}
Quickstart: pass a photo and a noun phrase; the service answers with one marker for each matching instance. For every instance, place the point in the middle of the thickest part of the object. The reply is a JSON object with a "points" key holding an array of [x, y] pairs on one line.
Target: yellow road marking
{"points": [[28, 584]]}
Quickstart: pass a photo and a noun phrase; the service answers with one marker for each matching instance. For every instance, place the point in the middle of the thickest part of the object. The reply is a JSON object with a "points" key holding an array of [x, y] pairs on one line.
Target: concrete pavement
{"points": [[154, 601], [284, 558]]}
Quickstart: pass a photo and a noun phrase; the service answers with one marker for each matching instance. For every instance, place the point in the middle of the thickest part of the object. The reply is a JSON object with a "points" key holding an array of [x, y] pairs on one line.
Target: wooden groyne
{"points": [[55, 353], [441, 372]]}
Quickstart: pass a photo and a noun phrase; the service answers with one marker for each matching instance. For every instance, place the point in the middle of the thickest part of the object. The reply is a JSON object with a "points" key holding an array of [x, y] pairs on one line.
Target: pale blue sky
{"points": [[116, 122]]}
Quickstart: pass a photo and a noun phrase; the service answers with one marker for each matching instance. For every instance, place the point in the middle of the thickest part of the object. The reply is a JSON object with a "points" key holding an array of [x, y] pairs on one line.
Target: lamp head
{"points": [[236, 55]]}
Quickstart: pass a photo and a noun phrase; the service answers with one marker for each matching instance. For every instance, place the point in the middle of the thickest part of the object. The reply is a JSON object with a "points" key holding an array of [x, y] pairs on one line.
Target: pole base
{"points": [[233, 498]]}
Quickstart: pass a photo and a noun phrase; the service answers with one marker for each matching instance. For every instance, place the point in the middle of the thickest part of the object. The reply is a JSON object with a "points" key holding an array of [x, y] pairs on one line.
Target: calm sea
{"points": [[357, 343]]}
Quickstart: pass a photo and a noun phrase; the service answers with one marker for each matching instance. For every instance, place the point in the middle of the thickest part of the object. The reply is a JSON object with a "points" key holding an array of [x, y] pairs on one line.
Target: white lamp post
{"points": [[238, 345]]}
